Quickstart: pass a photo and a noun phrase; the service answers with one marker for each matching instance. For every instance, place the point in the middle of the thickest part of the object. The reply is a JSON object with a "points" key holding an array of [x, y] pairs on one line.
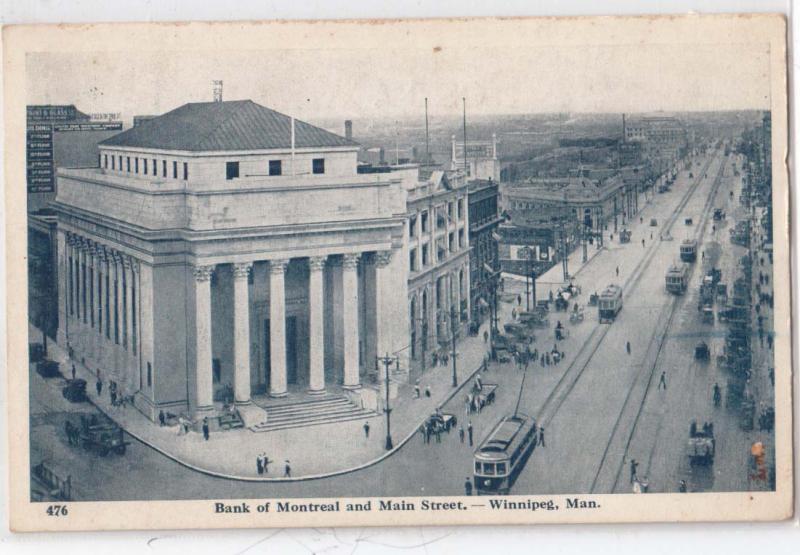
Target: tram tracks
{"points": [[570, 378], [642, 383]]}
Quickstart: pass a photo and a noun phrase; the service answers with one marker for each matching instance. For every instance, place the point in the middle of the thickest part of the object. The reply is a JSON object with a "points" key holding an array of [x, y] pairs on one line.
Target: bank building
{"points": [[225, 251]]}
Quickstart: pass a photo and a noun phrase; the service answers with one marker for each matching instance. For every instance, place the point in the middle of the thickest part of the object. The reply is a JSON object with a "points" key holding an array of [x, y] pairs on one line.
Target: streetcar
{"points": [[610, 303], [677, 278], [503, 453], [688, 250]]}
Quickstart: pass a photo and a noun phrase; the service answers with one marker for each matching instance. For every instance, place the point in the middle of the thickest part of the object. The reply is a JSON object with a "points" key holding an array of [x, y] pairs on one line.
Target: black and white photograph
{"points": [[412, 272]]}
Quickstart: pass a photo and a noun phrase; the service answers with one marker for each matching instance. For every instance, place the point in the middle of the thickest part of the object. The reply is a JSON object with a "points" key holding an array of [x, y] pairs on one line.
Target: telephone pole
{"points": [[387, 362]]}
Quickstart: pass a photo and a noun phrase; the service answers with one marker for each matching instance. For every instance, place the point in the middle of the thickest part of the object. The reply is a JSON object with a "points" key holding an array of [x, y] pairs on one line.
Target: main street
{"points": [[589, 403]]}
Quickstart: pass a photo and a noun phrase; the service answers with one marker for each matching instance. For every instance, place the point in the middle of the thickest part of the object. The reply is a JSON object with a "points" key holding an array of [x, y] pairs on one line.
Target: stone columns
{"points": [[241, 334], [316, 337], [63, 287], [277, 328], [383, 310], [350, 320], [204, 385], [130, 365], [94, 299]]}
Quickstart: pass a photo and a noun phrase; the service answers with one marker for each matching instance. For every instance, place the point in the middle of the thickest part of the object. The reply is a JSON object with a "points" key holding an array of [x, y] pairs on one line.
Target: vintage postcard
{"points": [[398, 272]]}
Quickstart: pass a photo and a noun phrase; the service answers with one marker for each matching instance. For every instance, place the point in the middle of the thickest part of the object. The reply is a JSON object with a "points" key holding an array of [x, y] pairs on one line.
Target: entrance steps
{"points": [[311, 412]]}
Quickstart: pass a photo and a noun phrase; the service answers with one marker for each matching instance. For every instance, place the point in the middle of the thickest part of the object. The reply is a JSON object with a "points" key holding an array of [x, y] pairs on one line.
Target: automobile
{"points": [[446, 420], [48, 368], [701, 351], [688, 221], [653, 222], [75, 391]]}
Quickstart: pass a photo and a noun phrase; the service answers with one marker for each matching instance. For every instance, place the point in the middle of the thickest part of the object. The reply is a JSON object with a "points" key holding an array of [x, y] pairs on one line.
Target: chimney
{"points": [[348, 129], [217, 90]]}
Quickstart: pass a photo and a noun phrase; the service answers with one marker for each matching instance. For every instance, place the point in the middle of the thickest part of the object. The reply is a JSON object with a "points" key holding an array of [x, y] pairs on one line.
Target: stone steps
{"points": [[312, 412]]}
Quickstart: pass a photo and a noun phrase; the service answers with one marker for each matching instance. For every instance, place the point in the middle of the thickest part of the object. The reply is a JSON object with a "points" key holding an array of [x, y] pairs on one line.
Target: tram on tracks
{"points": [[610, 303], [677, 279], [503, 453], [688, 250]]}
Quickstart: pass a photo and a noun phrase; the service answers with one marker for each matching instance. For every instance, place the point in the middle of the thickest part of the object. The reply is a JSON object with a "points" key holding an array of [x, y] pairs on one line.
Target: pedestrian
{"points": [[642, 243], [287, 470], [634, 466], [469, 432], [467, 405], [416, 390], [438, 431], [682, 486], [259, 465], [628, 346], [651, 235], [662, 381], [541, 436], [617, 271], [98, 374], [205, 428], [641, 219], [427, 391], [423, 434], [366, 429], [519, 300], [73, 370], [513, 313], [467, 486], [551, 295], [435, 359], [162, 418], [265, 463], [99, 386], [485, 336], [461, 433], [113, 394]]}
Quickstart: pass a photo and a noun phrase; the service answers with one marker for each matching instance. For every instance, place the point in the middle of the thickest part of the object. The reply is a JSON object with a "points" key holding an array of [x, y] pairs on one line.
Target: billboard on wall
{"points": [[39, 158]]}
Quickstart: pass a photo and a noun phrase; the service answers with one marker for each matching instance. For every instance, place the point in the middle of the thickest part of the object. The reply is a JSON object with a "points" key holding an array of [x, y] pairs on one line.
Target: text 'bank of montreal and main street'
{"points": [[392, 505]]}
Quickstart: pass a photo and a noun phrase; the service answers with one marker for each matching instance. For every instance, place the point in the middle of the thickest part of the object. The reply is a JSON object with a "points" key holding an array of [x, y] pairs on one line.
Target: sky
{"points": [[375, 83]]}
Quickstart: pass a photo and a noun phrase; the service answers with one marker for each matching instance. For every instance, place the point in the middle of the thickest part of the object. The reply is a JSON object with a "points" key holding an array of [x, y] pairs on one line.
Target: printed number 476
{"points": [[57, 510]]}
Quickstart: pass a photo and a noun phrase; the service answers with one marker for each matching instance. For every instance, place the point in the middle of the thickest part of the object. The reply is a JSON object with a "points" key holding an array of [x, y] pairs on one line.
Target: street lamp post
{"points": [[453, 343], [387, 362]]}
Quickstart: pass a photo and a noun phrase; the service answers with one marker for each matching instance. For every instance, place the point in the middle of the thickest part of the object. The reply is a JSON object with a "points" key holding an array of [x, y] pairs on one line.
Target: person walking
{"points": [[662, 381], [617, 271], [642, 243], [366, 429], [73, 370], [628, 346], [287, 470], [99, 386], [205, 428], [485, 336], [265, 462], [469, 432], [423, 434], [461, 433], [468, 486], [519, 300], [162, 418], [541, 436], [682, 486], [259, 466], [427, 391], [416, 390], [634, 466]]}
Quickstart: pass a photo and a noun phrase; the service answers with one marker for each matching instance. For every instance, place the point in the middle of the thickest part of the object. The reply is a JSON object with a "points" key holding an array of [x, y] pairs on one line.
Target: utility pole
{"points": [[387, 362], [466, 167], [427, 139]]}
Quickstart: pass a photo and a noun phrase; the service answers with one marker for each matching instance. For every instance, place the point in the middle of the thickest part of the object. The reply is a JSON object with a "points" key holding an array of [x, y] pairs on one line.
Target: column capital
{"points": [[127, 262], [278, 265], [202, 273], [350, 260], [382, 258], [317, 263], [242, 270]]}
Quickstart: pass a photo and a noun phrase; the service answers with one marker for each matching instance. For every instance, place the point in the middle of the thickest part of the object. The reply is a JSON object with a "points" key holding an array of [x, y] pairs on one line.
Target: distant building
{"points": [[660, 136], [481, 158]]}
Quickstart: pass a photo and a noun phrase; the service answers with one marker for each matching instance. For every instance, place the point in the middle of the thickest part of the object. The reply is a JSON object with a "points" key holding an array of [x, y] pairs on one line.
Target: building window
{"points": [[149, 375], [450, 211], [451, 242], [425, 255], [174, 170], [113, 162], [128, 164], [461, 209], [412, 260], [119, 159], [275, 167], [441, 223], [185, 171], [231, 170], [424, 218], [105, 160], [460, 238], [412, 226], [318, 165], [136, 165], [144, 168], [163, 168], [155, 167]]}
